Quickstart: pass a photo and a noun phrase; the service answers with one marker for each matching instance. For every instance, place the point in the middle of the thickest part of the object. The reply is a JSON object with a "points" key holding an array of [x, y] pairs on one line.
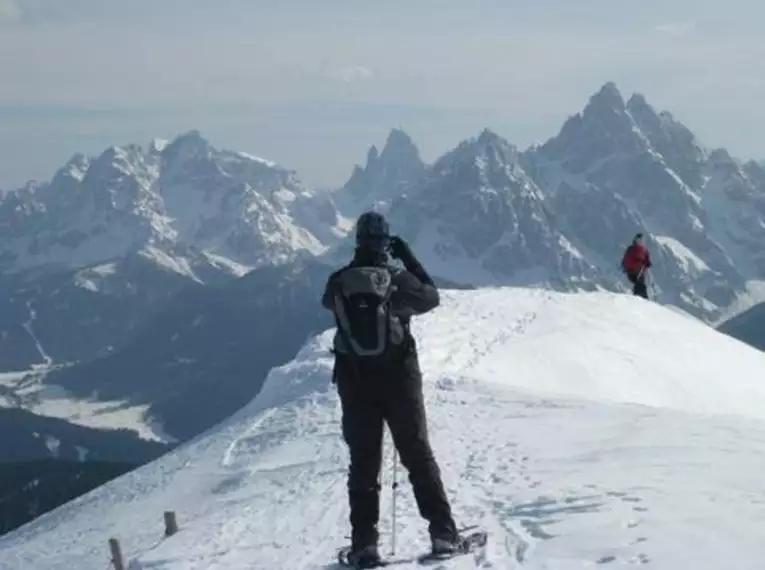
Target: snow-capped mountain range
{"points": [[90, 261], [88, 257], [558, 214], [184, 203], [561, 214], [621, 167]]}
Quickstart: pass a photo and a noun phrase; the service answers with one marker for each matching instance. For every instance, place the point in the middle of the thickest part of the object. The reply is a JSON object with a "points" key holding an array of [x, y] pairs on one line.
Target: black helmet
{"points": [[372, 232]]}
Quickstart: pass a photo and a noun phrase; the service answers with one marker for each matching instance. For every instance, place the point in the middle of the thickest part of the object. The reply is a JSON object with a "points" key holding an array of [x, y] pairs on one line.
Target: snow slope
{"points": [[581, 430]]}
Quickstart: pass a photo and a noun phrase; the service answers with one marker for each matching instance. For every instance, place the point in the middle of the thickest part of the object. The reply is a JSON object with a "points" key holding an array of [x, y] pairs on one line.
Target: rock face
{"points": [[478, 217], [186, 196], [621, 167], [386, 176], [119, 249], [561, 214], [209, 350], [748, 327]]}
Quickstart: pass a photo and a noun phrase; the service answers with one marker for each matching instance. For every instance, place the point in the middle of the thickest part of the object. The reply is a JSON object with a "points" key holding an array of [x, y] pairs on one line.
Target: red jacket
{"points": [[636, 258]]}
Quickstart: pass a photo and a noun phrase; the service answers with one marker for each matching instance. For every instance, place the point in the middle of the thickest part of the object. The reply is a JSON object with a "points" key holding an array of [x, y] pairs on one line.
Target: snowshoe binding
{"points": [[443, 549], [367, 557]]}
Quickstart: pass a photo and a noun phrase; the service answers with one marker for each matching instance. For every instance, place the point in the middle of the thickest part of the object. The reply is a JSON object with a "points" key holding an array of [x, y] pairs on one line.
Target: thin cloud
{"points": [[352, 74], [137, 69], [675, 28]]}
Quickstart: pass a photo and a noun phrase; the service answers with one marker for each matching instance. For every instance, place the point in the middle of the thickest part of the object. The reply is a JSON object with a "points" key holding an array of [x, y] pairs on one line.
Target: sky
{"points": [[312, 84]]}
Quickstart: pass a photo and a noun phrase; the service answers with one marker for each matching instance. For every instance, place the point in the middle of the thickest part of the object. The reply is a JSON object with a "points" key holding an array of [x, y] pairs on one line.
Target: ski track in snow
{"points": [[626, 478], [28, 326]]}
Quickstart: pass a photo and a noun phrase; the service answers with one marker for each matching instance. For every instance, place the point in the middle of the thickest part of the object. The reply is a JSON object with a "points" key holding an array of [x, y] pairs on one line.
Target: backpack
{"points": [[366, 327]]}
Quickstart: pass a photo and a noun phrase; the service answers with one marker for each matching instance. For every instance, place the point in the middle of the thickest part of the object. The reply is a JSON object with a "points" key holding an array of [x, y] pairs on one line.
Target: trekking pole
{"points": [[394, 486]]}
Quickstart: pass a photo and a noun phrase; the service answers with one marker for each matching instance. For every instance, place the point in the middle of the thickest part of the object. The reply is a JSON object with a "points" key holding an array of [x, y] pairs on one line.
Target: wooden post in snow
{"points": [[116, 551], [171, 525]]}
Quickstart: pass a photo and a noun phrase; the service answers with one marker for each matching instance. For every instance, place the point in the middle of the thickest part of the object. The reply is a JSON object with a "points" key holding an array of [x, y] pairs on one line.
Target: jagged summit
{"points": [[559, 210], [617, 167], [488, 144], [186, 194], [399, 139], [188, 149], [372, 156], [603, 125], [385, 176], [607, 97], [488, 136], [478, 218]]}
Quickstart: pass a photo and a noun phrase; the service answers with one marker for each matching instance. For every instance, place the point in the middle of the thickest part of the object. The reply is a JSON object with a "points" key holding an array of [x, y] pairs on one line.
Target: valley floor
{"points": [[27, 390]]}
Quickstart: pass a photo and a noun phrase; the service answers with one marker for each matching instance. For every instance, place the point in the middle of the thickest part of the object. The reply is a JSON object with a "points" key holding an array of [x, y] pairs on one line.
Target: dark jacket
{"points": [[390, 392]]}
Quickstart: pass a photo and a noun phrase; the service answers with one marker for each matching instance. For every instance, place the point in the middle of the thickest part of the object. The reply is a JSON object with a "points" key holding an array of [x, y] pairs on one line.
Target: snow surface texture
{"points": [[581, 430]]}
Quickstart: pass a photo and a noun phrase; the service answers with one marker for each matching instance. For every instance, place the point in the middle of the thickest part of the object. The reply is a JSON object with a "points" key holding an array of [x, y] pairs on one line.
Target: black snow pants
{"points": [[390, 394], [639, 288]]}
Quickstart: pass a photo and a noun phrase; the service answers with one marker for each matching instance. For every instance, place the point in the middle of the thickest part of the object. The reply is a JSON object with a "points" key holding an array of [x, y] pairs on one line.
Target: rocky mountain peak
{"points": [[372, 155], [756, 172], [670, 138], [187, 147], [607, 98], [602, 127], [233, 206], [399, 145], [385, 176], [477, 208]]}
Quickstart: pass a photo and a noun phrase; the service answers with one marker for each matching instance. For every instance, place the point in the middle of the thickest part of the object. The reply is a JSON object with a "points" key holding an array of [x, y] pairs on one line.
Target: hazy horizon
{"points": [[313, 86]]}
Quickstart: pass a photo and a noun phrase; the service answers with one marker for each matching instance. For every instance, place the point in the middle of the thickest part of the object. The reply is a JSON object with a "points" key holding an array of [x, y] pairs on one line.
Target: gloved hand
{"points": [[399, 249]]}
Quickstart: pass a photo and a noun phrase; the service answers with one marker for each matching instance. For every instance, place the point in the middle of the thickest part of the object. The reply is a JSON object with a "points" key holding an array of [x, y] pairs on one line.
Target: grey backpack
{"points": [[366, 327]]}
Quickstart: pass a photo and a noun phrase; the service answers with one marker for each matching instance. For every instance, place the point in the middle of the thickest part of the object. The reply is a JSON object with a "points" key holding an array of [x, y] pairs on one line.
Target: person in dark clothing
{"points": [[635, 263], [379, 381]]}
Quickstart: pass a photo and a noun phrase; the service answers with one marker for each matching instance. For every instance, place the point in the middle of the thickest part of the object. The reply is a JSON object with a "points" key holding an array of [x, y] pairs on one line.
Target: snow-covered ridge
{"points": [[572, 427]]}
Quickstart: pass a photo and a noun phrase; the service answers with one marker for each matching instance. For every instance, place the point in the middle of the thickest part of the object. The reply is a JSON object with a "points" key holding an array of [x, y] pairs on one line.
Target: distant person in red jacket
{"points": [[635, 263]]}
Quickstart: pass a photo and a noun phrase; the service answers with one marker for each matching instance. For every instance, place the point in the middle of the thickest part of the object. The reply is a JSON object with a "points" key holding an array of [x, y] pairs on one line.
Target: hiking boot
{"points": [[364, 557], [447, 545]]}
